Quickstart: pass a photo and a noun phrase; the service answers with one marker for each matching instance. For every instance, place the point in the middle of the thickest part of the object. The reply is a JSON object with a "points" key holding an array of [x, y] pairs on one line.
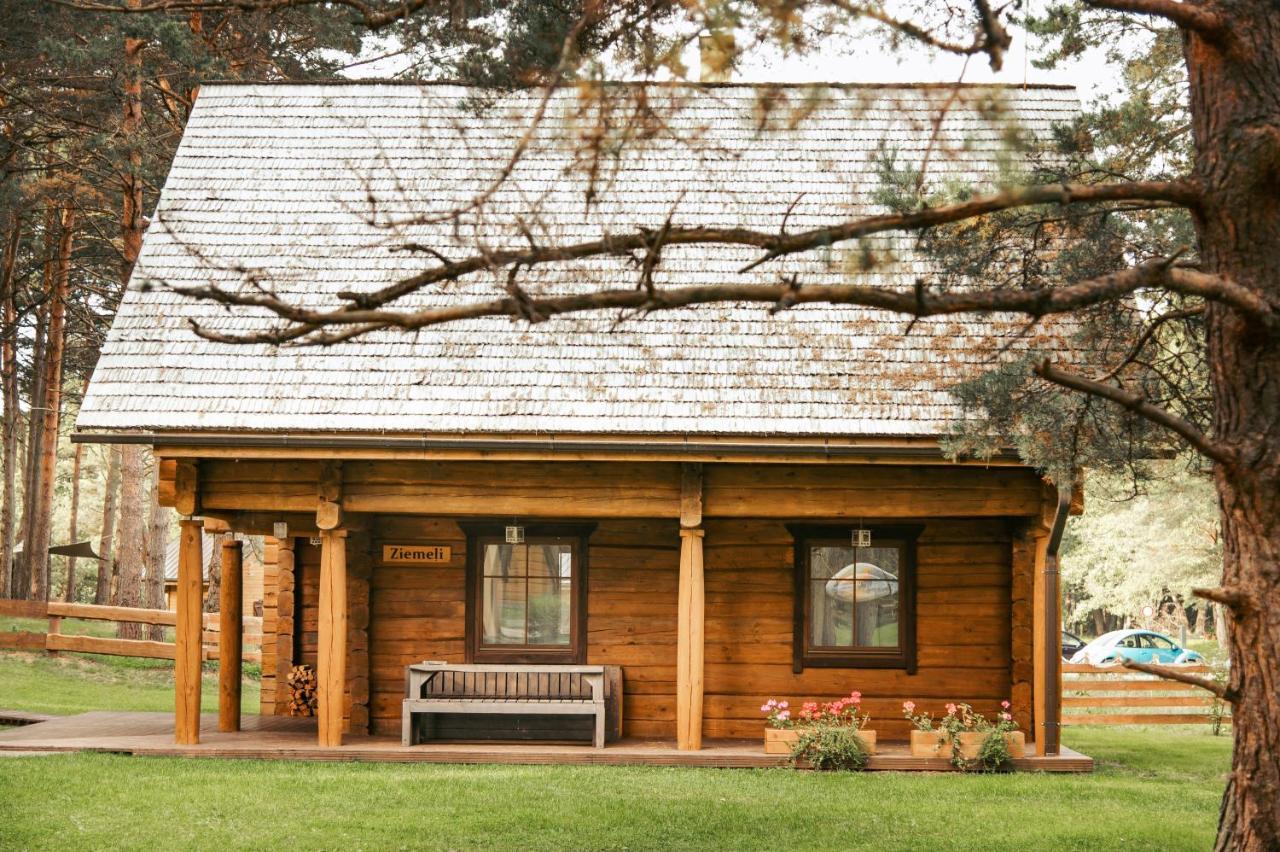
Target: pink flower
{"points": [[1006, 717], [810, 706], [855, 697], [771, 703], [785, 714], [783, 705], [909, 706], [951, 709], [765, 708], [1005, 704]]}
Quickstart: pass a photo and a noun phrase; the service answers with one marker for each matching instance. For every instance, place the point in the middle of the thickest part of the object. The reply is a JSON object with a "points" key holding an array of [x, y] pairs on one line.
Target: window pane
{"points": [[878, 597], [503, 606], [827, 561], [831, 613], [550, 560], [549, 611], [505, 560]]}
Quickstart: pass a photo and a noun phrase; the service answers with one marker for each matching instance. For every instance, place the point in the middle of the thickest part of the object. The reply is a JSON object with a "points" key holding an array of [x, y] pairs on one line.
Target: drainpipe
{"points": [[1053, 628]]}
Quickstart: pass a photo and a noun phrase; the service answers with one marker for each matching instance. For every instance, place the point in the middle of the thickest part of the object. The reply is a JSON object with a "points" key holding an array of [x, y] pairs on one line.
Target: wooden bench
{"points": [[437, 687]]}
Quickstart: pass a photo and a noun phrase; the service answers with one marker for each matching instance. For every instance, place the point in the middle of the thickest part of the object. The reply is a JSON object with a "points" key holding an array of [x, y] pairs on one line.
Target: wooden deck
{"points": [[283, 738]]}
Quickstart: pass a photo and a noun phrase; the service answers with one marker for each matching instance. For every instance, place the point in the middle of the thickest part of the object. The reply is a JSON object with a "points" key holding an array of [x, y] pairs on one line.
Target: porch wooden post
{"points": [[230, 639], [1047, 634], [689, 634], [187, 650], [332, 653]]}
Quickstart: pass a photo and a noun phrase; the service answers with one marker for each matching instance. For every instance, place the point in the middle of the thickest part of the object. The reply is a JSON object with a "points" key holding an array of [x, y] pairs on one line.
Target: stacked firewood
{"points": [[302, 691]]}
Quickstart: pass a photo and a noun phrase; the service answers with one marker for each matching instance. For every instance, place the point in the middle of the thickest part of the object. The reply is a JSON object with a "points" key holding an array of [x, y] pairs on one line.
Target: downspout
{"points": [[1053, 628]]}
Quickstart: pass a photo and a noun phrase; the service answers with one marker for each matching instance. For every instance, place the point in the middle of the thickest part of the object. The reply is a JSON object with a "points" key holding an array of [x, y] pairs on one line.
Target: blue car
{"points": [[1141, 646]]}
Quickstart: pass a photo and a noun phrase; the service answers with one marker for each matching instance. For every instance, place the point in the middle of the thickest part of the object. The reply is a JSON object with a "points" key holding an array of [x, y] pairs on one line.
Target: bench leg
{"points": [[406, 727], [598, 740]]}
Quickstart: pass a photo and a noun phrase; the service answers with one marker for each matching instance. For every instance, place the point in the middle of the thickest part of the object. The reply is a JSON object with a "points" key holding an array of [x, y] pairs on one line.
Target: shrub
{"points": [[830, 747]]}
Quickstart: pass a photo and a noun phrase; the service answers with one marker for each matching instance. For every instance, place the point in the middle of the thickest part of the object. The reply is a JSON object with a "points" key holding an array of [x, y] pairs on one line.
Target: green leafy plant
{"points": [[993, 753], [921, 721], [830, 747]]}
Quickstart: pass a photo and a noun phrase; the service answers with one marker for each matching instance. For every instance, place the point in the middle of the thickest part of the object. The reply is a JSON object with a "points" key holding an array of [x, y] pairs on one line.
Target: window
{"points": [[854, 606], [526, 603]]}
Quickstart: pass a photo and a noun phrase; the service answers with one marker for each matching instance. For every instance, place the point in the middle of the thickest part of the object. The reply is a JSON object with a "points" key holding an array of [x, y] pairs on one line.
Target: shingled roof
{"points": [[277, 179]]}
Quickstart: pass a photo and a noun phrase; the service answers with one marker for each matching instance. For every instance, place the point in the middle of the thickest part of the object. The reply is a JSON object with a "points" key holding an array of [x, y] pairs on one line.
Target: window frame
{"points": [[480, 533], [903, 656]]}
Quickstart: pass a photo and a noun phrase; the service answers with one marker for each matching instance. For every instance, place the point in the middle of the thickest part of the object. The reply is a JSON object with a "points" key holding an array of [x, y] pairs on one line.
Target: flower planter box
{"points": [[783, 740], [925, 744], [780, 740], [929, 744]]}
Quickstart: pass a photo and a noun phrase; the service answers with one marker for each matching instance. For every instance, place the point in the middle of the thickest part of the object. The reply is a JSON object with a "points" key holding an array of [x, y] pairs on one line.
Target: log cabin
{"points": [[723, 504]]}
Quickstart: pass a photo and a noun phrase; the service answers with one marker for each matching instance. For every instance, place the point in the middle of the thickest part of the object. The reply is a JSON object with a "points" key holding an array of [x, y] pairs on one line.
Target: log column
{"points": [[285, 606], [332, 653], [689, 634], [230, 638], [187, 651]]}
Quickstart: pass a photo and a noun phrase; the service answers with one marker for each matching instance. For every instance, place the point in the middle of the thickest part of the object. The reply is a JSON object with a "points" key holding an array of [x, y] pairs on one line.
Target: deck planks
{"points": [[284, 738]]}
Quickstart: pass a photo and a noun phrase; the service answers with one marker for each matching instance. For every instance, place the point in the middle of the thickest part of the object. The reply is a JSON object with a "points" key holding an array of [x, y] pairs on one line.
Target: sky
{"points": [[869, 62]]}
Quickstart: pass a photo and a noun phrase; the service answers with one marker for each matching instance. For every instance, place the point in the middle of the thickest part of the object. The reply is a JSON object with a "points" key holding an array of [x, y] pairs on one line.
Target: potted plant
{"points": [[969, 738], [780, 734], [834, 735], [925, 741]]}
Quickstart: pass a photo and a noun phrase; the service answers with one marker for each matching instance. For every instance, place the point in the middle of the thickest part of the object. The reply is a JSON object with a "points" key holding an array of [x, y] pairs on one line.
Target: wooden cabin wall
{"points": [[597, 490], [974, 577], [963, 628]]}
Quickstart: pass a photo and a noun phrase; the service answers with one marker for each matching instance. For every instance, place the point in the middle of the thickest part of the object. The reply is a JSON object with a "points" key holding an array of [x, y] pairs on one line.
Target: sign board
{"points": [[416, 554]]}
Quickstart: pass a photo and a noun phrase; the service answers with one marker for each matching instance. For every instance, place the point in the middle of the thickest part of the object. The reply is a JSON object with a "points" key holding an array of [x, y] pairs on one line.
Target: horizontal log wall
{"points": [[964, 623], [622, 489], [967, 633]]}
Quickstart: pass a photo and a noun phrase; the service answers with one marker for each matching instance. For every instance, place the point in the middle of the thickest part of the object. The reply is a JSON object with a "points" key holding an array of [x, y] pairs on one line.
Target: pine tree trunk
{"points": [[52, 408], [131, 555], [12, 417], [73, 524], [157, 547], [23, 568], [1235, 111], [213, 594], [106, 540]]}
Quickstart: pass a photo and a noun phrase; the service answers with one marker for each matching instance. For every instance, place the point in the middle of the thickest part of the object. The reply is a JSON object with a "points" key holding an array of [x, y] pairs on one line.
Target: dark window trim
{"points": [[576, 652], [902, 657]]}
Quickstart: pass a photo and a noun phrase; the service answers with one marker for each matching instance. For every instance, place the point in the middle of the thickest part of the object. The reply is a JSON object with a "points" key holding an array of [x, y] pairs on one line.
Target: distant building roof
{"points": [[171, 557], [278, 178]]}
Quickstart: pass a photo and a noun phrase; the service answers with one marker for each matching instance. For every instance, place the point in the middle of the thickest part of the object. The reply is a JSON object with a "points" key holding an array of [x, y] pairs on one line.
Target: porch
{"points": [[287, 738]]}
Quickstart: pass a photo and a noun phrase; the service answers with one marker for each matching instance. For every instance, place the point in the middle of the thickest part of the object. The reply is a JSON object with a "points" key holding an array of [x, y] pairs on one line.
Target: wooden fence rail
{"points": [[55, 640], [1149, 700]]}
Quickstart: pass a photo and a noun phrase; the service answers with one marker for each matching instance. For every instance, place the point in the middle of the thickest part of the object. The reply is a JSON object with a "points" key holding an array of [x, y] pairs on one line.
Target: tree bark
{"points": [[12, 416], [73, 524], [25, 568], [107, 536], [1235, 112], [157, 547], [52, 407], [131, 554], [213, 576]]}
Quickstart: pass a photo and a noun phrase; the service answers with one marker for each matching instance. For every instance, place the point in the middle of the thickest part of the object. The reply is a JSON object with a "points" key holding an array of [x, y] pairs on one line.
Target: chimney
{"points": [[717, 52]]}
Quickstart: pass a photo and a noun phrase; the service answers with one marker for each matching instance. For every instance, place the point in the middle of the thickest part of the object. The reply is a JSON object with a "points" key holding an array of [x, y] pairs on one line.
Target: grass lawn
{"points": [[74, 683], [1154, 788]]}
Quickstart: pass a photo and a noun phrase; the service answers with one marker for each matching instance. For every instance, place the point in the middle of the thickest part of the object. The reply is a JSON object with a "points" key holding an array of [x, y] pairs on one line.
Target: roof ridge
{"points": [[373, 81]]}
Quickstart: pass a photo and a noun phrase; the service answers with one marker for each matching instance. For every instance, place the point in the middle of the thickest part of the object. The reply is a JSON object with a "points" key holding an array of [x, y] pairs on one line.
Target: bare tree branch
{"points": [[913, 302], [1147, 333], [1186, 15], [1173, 673], [775, 245], [1138, 405], [1229, 596]]}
